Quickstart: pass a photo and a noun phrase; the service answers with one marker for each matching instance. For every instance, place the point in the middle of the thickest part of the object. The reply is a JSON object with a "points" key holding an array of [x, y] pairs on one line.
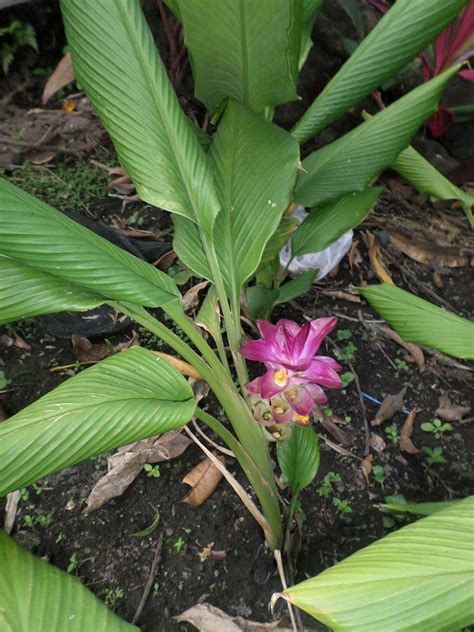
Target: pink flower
{"points": [[294, 373]]}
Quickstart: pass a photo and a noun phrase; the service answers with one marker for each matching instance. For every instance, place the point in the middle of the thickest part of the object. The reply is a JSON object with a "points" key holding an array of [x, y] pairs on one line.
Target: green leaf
{"points": [[420, 577], [418, 509], [35, 234], [298, 457], [309, 13], [349, 163], [208, 316], [402, 33], [255, 166], [128, 397], [414, 167], [296, 287], [260, 301], [287, 225], [55, 600], [26, 292], [116, 62], [244, 50], [418, 321], [323, 226]]}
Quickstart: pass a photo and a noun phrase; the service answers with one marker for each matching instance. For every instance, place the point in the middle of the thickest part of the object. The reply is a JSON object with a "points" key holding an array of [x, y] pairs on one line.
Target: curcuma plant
{"points": [[230, 197]]}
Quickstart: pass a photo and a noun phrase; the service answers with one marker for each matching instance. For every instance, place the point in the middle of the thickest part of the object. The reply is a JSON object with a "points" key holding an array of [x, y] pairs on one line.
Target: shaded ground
{"points": [[341, 516]]}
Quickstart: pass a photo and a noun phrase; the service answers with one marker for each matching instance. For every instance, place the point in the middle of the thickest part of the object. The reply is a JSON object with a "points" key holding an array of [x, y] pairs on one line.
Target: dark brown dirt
{"points": [[110, 558]]}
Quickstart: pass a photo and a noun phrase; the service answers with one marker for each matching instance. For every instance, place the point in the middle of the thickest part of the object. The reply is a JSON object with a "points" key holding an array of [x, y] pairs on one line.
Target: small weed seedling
{"points": [[343, 334], [402, 367], [348, 353], [112, 596], [379, 473], [342, 506], [347, 378], [179, 544], [436, 427], [392, 433], [73, 563], [3, 380], [434, 455], [326, 486], [153, 471]]}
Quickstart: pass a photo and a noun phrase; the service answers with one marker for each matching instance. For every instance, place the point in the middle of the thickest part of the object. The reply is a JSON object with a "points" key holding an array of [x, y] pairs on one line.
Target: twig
{"points": [[361, 398], [10, 510], [151, 578], [281, 572], [339, 448], [236, 486], [211, 442], [56, 148]]}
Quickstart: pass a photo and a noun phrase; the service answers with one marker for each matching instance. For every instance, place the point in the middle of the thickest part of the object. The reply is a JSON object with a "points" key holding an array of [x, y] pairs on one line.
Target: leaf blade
{"points": [[418, 321], [323, 226], [154, 140], [349, 163], [30, 230], [227, 36], [398, 583], [57, 601], [403, 32], [298, 457], [123, 399]]}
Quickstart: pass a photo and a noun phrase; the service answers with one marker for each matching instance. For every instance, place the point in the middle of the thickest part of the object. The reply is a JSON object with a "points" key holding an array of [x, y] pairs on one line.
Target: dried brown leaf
{"points": [[451, 412], [330, 423], [182, 366], [20, 343], [429, 253], [203, 479], [86, 351], [413, 349], [390, 405], [126, 464], [62, 75], [207, 618], [191, 298], [375, 262], [367, 467], [10, 510], [164, 262], [406, 444], [377, 442]]}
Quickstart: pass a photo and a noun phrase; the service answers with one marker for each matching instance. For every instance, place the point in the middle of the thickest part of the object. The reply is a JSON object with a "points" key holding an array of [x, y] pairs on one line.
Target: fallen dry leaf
{"points": [[126, 464], [429, 253], [375, 262], [20, 343], [10, 510], [345, 296], [390, 405], [207, 618], [86, 351], [451, 412], [406, 444], [164, 262], [377, 442], [182, 366], [366, 466], [208, 551], [354, 256], [413, 349], [330, 423], [203, 479], [191, 298], [62, 75]]}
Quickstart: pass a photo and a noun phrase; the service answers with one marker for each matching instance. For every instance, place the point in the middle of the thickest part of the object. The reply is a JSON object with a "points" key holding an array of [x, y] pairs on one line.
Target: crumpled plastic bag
{"points": [[324, 260]]}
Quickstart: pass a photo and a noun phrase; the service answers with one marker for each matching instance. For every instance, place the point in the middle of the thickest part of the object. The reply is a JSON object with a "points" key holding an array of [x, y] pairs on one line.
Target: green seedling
{"points": [[436, 427], [402, 367], [342, 506], [347, 378], [112, 596], [73, 563], [343, 334], [378, 472], [392, 433], [434, 455], [348, 353], [153, 471], [326, 486], [179, 544], [3, 380]]}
